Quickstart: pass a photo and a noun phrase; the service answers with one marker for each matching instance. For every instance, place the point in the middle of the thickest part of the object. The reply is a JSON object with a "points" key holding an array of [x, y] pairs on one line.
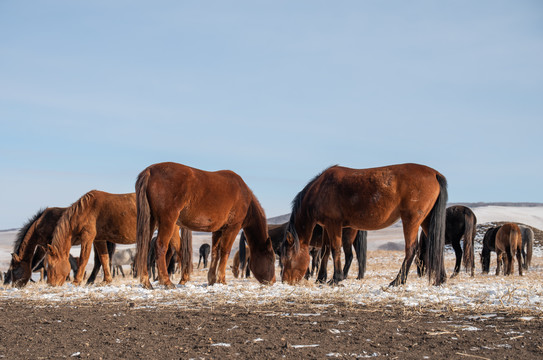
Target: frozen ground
{"points": [[484, 293]]}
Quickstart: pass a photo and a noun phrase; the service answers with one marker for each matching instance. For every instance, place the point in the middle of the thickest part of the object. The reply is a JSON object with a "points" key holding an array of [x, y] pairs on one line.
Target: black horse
{"points": [[204, 254], [461, 223], [489, 245]]}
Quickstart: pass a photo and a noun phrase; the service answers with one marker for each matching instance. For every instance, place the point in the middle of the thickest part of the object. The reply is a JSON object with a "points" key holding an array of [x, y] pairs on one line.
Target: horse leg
{"points": [[499, 258], [101, 248], [225, 245], [212, 272], [410, 232], [165, 233], [519, 260], [458, 252], [199, 261], [87, 239], [322, 263], [334, 239], [347, 243]]}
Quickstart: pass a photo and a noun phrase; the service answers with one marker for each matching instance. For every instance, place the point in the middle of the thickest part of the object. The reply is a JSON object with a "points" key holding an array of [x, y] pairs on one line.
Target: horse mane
{"points": [[296, 206], [24, 230], [64, 225]]}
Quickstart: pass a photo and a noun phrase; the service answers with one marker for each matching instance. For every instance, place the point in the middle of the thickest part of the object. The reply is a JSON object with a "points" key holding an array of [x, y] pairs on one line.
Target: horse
{"points": [[508, 244], [204, 254], [489, 241], [94, 219], [461, 223], [527, 245], [120, 258], [320, 252], [181, 236], [368, 199], [29, 245], [218, 202], [241, 259]]}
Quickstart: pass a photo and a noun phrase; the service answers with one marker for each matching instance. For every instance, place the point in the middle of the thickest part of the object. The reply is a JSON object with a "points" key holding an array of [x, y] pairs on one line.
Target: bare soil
{"points": [[35, 330]]}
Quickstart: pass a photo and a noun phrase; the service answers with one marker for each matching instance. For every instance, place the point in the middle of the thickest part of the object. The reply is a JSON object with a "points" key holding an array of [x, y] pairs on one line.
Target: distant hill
{"points": [[281, 219]]}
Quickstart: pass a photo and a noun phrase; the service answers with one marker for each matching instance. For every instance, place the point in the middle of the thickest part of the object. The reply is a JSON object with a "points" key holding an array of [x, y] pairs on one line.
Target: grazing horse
{"points": [[527, 245], [122, 257], [204, 254], [241, 259], [489, 245], [29, 246], [508, 244], [349, 238], [368, 199], [461, 223], [217, 202]]}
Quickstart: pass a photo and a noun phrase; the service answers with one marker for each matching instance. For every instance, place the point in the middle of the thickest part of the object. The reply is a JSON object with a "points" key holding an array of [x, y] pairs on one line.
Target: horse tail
{"points": [[361, 249], [143, 234], [186, 250], [436, 234], [469, 237], [529, 247], [242, 252]]}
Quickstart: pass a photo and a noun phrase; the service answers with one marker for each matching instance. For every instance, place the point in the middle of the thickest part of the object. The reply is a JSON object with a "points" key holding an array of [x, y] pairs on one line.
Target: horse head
{"points": [[262, 263], [58, 266], [20, 271], [295, 259]]}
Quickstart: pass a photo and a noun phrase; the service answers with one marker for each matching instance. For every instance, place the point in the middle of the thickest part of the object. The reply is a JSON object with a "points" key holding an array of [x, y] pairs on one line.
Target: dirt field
{"points": [[123, 330]]}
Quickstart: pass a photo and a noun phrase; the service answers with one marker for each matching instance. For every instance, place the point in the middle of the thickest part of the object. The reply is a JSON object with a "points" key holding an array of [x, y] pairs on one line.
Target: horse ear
{"points": [[16, 257], [51, 250]]}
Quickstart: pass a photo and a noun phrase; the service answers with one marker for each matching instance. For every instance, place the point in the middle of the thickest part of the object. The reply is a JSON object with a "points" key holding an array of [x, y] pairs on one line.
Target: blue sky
{"points": [[91, 93]]}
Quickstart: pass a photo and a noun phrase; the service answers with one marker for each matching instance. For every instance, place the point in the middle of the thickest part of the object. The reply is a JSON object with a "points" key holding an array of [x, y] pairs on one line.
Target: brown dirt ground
{"points": [[31, 330]]}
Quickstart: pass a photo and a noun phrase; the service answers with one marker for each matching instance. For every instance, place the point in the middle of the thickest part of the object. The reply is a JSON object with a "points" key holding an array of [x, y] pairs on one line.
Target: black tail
{"points": [[361, 249], [242, 253], [436, 235]]}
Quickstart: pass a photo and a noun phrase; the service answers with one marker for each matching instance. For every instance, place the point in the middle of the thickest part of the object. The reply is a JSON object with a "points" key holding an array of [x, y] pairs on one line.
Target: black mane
{"points": [[24, 229]]}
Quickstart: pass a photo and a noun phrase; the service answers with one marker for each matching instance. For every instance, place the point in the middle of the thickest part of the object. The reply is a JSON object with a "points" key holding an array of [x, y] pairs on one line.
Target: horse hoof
{"points": [[147, 286], [170, 286]]}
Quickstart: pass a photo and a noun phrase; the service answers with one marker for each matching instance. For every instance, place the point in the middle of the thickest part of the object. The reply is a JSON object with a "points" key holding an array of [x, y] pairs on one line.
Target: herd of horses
{"points": [[332, 212]]}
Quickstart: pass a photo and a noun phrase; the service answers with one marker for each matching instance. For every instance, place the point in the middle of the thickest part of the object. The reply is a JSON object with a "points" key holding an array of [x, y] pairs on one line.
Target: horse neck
{"points": [[255, 225], [304, 226], [28, 244], [70, 223]]}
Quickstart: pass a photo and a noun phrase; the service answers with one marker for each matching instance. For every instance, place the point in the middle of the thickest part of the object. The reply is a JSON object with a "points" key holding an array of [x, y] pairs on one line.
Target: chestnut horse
{"points": [[508, 244], [368, 199], [461, 223], [489, 245], [29, 246], [217, 202], [97, 217]]}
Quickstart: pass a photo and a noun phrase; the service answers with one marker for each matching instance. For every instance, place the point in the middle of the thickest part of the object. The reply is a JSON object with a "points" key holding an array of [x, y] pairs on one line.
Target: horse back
{"points": [[205, 200], [373, 198]]}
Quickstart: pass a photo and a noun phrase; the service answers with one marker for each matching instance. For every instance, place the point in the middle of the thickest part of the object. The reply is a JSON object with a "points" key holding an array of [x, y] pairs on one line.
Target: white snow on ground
{"points": [[483, 293]]}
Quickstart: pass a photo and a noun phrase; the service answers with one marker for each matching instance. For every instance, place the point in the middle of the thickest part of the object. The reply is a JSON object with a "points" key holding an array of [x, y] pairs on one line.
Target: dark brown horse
{"points": [[461, 223], [508, 244], [218, 202], [368, 199]]}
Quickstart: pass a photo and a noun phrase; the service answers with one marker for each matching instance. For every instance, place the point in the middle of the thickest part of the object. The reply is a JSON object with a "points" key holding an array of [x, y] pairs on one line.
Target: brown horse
{"points": [[508, 244], [97, 217], [29, 246], [368, 199], [218, 202]]}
